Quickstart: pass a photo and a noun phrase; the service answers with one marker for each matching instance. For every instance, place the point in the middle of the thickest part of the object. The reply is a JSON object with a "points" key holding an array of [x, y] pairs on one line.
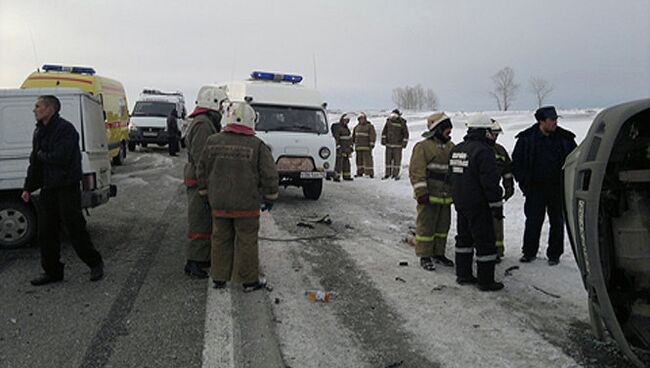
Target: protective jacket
{"points": [[429, 170], [474, 175], [343, 138], [538, 159], [364, 137], [201, 127], [55, 160], [238, 171], [395, 133], [504, 165]]}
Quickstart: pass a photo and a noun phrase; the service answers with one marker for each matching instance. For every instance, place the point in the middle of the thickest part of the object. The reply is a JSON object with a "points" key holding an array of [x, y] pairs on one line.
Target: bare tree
{"points": [[415, 98], [505, 88], [540, 88]]}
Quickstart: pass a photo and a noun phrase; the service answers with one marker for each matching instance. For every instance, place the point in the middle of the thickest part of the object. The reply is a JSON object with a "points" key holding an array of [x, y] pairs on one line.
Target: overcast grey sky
{"points": [[594, 53]]}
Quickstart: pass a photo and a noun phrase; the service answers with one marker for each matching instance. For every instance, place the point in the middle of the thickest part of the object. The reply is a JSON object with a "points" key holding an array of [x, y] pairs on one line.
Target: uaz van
{"points": [[292, 121], [17, 218]]}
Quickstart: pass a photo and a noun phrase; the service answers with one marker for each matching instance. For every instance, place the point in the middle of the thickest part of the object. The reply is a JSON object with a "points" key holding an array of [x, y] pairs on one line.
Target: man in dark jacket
{"points": [[537, 162], [55, 168], [173, 133], [477, 198]]}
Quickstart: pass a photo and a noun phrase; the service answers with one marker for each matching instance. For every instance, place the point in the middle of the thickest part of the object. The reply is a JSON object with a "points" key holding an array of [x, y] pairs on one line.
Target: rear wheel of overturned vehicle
{"points": [[131, 146], [17, 224], [121, 156], [312, 188]]}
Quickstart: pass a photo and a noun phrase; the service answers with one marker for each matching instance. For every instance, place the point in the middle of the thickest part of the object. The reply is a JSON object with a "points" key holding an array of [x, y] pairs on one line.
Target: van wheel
{"points": [[119, 159], [17, 224], [131, 146], [312, 188]]}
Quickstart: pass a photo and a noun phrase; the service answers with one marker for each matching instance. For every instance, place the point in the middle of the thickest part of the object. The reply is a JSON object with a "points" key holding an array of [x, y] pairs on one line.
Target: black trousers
{"points": [[475, 230], [172, 145], [62, 206], [541, 200]]}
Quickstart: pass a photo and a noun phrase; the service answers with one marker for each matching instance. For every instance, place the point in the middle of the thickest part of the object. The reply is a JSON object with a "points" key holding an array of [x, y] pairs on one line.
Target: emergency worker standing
{"points": [[364, 137], [173, 133], [428, 172], [238, 174], [395, 136], [537, 162], [206, 120], [55, 168], [504, 167], [343, 138], [477, 199]]}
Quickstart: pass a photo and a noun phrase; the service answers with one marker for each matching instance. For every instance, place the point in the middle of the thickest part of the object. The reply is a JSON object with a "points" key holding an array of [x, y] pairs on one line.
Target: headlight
{"points": [[132, 127], [324, 153]]}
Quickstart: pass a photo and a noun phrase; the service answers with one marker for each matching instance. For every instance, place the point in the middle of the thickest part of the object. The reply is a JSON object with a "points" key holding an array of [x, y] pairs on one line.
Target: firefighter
{"points": [[395, 136], [237, 173], [343, 138], [504, 167], [428, 171], [477, 199], [364, 137], [206, 120]]}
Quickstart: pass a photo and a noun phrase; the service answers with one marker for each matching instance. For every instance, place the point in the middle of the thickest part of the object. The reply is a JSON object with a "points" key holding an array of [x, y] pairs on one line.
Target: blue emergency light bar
{"points": [[69, 69], [276, 77]]}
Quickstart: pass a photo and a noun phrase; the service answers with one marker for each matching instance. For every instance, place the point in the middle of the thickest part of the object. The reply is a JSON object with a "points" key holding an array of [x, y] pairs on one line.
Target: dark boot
{"points": [[427, 263], [45, 279], [467, 280], [443, 261], [464, 265], [218, 284], [485, 273], [252, 286], [97, 272], [194, 270]]}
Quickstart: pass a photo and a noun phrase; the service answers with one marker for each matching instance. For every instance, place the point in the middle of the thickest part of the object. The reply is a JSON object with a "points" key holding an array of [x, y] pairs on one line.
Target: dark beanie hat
{"points": [[546, 112]]}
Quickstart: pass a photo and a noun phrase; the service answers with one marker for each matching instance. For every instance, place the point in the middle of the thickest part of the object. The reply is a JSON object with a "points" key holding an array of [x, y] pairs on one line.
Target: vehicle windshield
{"points": [[290, 119], [153, 108]]}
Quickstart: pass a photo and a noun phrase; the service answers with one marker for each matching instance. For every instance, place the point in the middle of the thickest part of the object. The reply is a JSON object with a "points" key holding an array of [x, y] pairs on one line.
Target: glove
{"points": [[266, 206], [497, 212], [508, 191], [423, 199]]}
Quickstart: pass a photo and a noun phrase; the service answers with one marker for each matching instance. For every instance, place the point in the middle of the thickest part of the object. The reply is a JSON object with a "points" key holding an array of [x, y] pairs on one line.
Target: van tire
{"points": [[312, 189], [131, 146], [121, 156], [17, 224]]}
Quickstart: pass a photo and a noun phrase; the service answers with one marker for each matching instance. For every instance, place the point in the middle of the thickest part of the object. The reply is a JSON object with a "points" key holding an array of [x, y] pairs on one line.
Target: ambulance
{"points": [[292, 121], [17, 218], [109, 92], [148, 122]]}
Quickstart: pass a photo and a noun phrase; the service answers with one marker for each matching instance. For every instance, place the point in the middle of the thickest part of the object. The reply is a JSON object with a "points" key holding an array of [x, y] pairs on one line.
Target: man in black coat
{"points": [[173, 134], [537, 162], [477, 198], [55, 168]]}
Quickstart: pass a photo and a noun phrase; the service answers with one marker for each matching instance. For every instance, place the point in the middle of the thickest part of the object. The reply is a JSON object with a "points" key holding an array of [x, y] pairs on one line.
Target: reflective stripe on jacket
{"points": [[428, 170], [364, 137], [395, 133]]}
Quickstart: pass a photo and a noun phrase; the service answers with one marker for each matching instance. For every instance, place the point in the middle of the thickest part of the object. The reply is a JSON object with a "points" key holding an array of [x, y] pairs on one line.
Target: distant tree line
{"points": [[505, 88], [415, 98]]}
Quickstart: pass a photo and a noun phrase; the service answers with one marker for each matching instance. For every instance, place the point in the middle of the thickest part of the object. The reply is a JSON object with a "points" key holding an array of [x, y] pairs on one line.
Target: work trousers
{"points": [[393, 161], [475, 229], [365, 164], [498, 232], [199, 229], [235, 250], [540, 200], [58, 206], [342, 165], [431, 229]]}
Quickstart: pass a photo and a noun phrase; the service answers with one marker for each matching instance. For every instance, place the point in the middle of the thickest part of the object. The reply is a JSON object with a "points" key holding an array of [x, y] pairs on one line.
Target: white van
{"points": [[148, 120], [292, 121], [18, 219]]}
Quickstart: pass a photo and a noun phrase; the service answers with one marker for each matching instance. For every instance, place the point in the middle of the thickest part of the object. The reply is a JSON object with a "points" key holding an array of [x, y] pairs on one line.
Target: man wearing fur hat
{"points": [[364, 137], [428, 171], [238, 174], [395, 136]]}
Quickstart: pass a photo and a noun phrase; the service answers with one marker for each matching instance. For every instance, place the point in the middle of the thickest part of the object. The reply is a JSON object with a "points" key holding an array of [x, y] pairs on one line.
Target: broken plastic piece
{"points": [[320, 296]]}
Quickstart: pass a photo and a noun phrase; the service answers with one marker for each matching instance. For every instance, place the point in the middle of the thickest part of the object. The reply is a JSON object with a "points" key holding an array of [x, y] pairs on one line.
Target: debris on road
{"points": [[320, 296], [546, 292], [318, 220], [304, 224], [399, 279], [396, 364], [509, 270], [403, 263], [438, 288]]}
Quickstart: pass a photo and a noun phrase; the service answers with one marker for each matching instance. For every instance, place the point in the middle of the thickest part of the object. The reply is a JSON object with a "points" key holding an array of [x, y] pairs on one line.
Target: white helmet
{"points": [[211, 97], [496, 127], [239, 113], [435, 119], [479, 121]]}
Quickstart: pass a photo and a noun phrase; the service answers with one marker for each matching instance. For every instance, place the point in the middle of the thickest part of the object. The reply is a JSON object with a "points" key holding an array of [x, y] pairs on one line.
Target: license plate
{"points": [[312, 175], [150, 134]]}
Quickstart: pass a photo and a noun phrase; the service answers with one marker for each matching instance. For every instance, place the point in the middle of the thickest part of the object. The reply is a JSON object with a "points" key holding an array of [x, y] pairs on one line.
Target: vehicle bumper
{"points": [[94, 198], [148, 137]]}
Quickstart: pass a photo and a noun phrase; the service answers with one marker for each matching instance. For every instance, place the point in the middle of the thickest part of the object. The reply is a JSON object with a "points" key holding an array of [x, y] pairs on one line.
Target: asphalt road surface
{"points": [[147, 313]]}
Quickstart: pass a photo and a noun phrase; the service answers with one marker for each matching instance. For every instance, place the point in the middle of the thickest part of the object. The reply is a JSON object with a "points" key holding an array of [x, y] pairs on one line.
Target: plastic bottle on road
{"points": [[320, 296]]}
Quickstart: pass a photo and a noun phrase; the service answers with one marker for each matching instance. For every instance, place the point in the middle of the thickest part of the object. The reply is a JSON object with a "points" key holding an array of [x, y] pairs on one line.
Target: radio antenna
{"points": [[31, 36], [315, 77]]}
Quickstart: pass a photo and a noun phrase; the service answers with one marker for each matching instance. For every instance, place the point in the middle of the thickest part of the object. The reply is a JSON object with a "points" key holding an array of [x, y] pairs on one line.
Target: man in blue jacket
{"points": [[55, 169], [537, 162]]}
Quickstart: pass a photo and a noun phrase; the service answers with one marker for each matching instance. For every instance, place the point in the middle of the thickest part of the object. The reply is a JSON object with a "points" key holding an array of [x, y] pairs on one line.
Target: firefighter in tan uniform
{"points": [[238, 174], [504, 166], [428, 171], [343, 138], [206, 120], [395, 136], [364, 137]]}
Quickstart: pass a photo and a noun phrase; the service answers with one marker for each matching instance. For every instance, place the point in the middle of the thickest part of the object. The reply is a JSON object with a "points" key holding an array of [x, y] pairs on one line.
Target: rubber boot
{"points": [[485, 273], [464, 269]]}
